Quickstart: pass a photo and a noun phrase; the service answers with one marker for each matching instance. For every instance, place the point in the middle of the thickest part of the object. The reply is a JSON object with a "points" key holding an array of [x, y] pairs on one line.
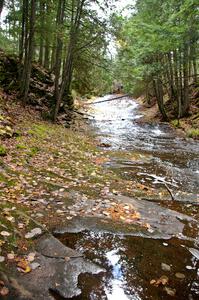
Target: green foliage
{"points": [[3, 151], [175, 123], [154, 29], [193, 133]]}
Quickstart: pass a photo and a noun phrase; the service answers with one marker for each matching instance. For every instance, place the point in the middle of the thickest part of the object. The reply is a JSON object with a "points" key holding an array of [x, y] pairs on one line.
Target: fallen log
{"points": [[107, 100]]}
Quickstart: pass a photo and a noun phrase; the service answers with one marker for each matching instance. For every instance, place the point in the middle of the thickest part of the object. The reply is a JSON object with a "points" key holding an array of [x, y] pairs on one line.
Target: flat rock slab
{"points": [[164, 223], [55, 274], [49, 246]]}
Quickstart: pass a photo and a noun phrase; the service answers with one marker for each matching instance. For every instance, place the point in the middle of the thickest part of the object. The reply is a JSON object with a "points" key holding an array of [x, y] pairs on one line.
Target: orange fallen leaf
{"points": [[23, 266], [163, 280]]}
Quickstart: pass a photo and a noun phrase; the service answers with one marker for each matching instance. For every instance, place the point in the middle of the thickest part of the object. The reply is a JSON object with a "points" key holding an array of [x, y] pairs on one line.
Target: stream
{"points": [[134, 261]]}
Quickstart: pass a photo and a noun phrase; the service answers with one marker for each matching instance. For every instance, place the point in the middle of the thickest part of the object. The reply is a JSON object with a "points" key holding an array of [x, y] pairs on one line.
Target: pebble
{"points": [[106, 213], [180, 275], [165, 267], [33, 233], [31, 257], [5, 233], [10, 256], [39, 215], [2, 259], [59, 211], [35, 265], [169, 291]]}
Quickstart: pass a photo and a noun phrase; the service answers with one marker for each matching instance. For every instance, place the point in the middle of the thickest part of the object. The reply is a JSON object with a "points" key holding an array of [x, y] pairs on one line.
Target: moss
{"points": [[39, 130], [194, 133], [175, 123], [21, 146], [3, 151], [33, 151]]}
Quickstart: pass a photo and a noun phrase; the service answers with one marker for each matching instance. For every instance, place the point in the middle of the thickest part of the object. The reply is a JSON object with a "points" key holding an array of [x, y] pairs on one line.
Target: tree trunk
{"points": [[159, 95], [1, 6], [177, 93], [59, 46], [41, 42], [185, 81], [47, 40], [29, 54], [194, 58], [76, 13]]}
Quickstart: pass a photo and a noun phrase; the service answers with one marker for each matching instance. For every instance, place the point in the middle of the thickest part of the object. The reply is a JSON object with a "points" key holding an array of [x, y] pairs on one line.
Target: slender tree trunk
{"points": [[60, 18], [1, 6], [24, 29], [194, 58], [47, 40], [41, 42], [175, 59], [66, 78], [171, 76], [29, 54], [185, 81], [159, 95], [180, 112]]}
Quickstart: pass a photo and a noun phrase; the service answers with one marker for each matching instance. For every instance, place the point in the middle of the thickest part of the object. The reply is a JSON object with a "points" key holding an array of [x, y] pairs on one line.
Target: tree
{"points": [[157, 51]]}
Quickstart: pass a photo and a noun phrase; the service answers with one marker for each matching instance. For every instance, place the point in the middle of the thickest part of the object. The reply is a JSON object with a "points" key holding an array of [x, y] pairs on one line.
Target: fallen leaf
{"points": [[33, 233], [169, 291], [163, 280], [4, 291], [23, 266], [5, 233]]}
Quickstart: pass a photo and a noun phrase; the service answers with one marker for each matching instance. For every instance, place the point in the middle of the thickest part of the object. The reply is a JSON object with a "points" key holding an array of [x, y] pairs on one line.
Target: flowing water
{"points": [[131, 260]]}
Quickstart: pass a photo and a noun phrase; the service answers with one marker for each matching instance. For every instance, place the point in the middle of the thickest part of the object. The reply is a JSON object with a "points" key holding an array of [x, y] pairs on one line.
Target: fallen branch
{"points": [[170, 192]]}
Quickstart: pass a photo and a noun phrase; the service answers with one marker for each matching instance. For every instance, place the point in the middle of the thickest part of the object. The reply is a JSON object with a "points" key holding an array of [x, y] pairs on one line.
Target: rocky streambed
{"points": [[133, 238]]}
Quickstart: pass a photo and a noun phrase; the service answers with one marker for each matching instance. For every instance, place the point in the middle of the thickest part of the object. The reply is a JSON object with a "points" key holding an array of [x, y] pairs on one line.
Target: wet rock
{"points": [[51, 247], [166, 222], [53, 273], [67, 285]]}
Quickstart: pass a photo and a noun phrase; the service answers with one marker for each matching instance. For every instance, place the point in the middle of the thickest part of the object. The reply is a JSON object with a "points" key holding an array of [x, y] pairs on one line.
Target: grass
{"points": [[3, 150], [175, 123], [193, 133]]}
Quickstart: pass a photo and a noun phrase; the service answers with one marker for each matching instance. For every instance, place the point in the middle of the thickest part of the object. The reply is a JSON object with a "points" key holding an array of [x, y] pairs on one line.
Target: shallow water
{"points": [[132, 261], [170, 159]]}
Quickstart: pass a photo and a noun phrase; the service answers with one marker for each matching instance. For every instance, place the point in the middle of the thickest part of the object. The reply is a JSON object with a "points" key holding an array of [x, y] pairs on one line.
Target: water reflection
{"points": [[131, 263]]}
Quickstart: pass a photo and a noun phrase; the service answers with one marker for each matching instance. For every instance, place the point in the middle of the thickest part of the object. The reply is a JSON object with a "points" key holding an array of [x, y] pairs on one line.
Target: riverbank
{"points": [[187, 127]]}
